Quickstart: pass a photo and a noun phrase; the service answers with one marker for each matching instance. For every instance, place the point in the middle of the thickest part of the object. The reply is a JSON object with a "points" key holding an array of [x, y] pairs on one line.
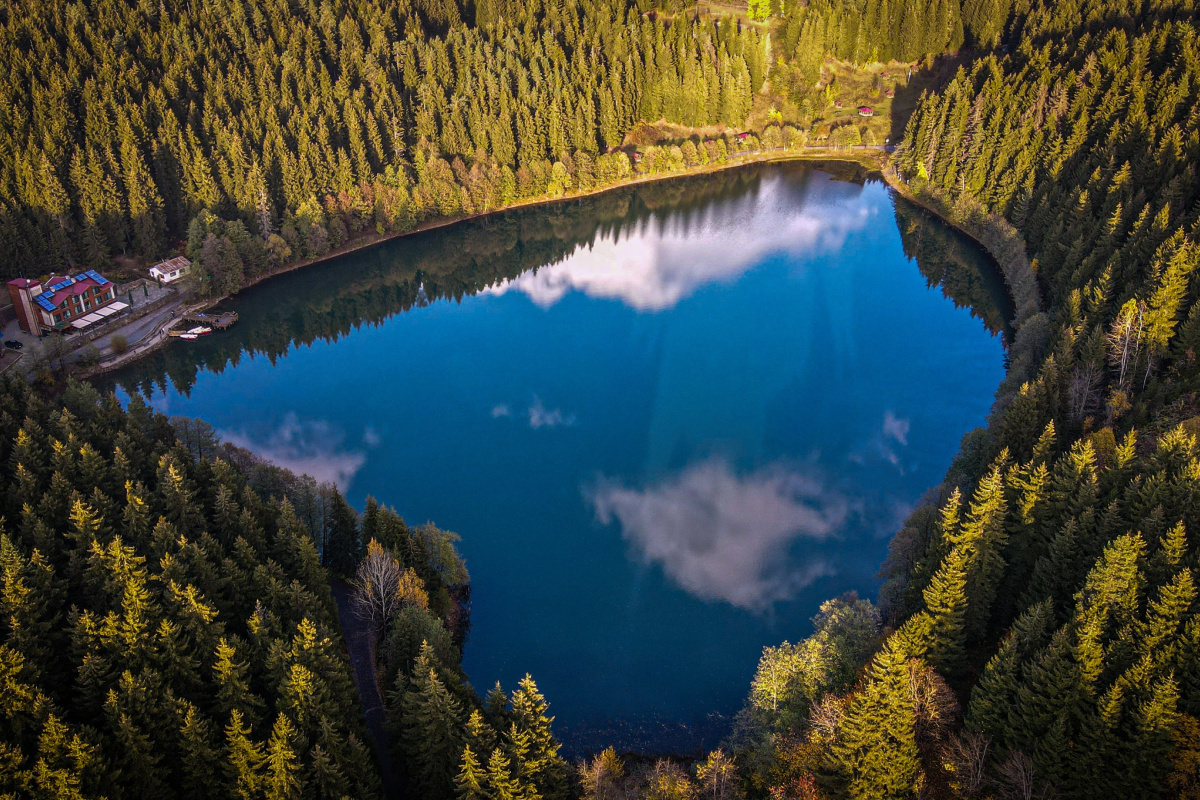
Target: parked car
{"points": [[13, 344]]}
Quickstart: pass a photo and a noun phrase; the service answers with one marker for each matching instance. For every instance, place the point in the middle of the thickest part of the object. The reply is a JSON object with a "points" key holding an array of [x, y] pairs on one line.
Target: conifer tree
{"points": [[876, 754], [342, 547], [431, 729]]}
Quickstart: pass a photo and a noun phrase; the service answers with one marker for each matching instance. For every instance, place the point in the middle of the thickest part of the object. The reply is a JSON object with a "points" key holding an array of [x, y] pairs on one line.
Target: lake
{"points": [[667, 421]]}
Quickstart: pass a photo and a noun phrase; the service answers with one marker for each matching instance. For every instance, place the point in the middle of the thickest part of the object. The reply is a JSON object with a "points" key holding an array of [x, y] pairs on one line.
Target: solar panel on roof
{"points": [[81, 276]]}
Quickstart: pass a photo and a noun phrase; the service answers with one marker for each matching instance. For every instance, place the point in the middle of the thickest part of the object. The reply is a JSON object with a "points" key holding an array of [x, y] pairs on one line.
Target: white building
{"points": [[172, 270]]}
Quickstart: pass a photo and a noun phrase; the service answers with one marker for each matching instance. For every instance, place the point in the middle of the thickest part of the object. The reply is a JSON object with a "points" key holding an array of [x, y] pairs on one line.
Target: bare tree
{"points": [[603, 778], [967, 758], [718, 778], [934, 705], [1016, 779], [383, 587], [1082, 392], [1125, 338], [826, 717]]}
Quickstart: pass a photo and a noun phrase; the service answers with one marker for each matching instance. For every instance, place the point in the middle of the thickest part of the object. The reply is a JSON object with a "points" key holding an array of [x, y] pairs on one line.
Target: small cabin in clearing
{"points": [[866, 111], [171, 270]]}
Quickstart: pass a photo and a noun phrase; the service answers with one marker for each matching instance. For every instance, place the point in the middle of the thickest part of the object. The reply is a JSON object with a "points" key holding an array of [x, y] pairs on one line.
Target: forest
{"points": [[1038, 626], [168, 627], [248, 135]]}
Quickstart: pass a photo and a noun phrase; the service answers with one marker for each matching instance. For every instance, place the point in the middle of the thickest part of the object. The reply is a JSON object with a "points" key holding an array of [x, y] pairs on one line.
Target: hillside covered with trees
{"points": [[165, 630], [253, 134], [1038, 629]]}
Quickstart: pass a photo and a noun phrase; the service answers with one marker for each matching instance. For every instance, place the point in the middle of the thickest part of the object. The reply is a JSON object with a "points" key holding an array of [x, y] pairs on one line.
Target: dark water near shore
{"points": [[666, 421]]}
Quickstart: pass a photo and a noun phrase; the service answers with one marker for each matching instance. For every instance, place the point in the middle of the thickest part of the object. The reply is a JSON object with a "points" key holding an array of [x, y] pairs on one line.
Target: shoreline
{"points": [[875, 159], [366, 241]]}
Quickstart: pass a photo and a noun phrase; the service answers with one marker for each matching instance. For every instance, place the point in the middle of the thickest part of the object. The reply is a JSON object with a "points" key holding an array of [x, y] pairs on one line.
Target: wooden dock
{"points": [[219, 322]]}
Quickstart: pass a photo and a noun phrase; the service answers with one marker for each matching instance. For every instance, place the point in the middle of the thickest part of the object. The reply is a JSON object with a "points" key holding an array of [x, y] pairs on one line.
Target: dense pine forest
{"points": [[167, 630], [168, 627], [248, 135], [1038, 625]]}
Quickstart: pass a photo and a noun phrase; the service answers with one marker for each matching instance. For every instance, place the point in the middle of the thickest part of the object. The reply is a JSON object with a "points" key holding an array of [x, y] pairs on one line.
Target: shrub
{"points": [[119, 344], [90, 355]]}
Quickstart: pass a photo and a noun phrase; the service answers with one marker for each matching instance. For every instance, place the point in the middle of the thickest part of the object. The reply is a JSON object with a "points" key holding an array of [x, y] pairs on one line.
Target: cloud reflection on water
{"points": [[721, 536], [652, 269], [309, 447]]}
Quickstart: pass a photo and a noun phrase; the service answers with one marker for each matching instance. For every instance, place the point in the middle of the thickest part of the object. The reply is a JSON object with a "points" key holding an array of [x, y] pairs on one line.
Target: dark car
{"points": [[13, 344]]}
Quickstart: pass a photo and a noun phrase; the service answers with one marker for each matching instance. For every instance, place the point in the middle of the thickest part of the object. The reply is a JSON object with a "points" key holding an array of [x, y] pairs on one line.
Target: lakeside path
{"points": [[358, 644]]}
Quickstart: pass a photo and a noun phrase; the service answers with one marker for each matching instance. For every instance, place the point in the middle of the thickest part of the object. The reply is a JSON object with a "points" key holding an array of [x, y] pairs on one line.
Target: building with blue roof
{"points": [[73, 302]]}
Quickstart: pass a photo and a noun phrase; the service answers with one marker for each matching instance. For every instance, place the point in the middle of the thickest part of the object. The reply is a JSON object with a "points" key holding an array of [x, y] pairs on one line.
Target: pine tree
{"points": [[200, 756], [947, 602], [431, 729], [500, 783], [244, 758], [876, 755], [542, 764], [469, 783], [281, 780], [342, 547]]}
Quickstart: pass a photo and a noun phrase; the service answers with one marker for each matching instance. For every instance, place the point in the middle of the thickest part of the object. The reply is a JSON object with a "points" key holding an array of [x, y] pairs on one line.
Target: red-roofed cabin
{"points": [[890, 93], [866, 111], [60, 302]]}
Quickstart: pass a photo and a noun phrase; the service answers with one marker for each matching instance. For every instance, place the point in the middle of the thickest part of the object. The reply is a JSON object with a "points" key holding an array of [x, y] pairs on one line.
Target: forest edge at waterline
{"points": [[989, 231]]}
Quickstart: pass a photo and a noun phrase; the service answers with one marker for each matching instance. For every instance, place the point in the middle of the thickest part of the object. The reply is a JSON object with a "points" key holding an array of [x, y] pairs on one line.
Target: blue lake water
{"points": [[704, 412]]}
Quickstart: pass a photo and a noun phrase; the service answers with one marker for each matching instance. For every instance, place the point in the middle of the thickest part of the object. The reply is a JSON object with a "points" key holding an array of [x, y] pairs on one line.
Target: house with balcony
{"points": [[71, 303]]}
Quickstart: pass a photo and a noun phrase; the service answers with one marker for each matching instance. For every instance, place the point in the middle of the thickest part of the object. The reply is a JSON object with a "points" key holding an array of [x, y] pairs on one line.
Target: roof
{"points": [[59, 289], [22, 283], [172, 264]]}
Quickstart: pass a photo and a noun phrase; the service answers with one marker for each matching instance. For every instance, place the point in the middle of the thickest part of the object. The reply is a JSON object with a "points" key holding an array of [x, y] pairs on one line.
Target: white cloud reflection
{"points": [[542, 417], [895, 428], [726, 537], [654, 268], [309, 447]]}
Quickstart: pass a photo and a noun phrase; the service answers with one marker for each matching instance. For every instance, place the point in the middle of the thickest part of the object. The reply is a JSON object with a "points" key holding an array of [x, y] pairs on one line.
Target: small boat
{"points": [[201, 331], [187, 336]]}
